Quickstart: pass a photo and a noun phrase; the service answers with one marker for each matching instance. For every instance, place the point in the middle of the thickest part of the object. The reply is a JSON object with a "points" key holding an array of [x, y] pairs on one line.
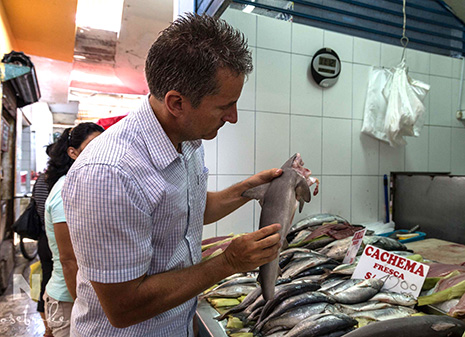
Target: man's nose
{"points": [[231, 116]]}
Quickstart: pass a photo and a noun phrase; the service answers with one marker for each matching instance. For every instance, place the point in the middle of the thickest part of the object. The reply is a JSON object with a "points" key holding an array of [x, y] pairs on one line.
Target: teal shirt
{"points": [[54, 213]]}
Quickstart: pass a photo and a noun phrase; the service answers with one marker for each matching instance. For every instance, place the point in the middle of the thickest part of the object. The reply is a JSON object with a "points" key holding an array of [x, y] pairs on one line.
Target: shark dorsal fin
{"points": [[257, 192]]}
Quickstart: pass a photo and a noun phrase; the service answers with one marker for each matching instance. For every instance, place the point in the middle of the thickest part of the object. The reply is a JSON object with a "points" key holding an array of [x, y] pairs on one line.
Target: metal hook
{"points": [[404, 41]]}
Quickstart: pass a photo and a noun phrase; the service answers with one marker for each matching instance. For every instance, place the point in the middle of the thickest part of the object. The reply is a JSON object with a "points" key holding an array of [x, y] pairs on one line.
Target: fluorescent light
{"points": [[79, 57], [248, 9], [100, 14], [85, 77]]}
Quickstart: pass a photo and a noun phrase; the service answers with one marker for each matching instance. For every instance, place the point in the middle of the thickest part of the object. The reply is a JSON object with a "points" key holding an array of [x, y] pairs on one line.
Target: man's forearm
{"points": [[133, 302], [219, 204]]}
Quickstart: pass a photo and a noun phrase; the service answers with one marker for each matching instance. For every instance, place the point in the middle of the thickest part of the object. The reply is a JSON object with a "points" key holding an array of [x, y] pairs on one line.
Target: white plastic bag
{"points": [[376, 103], [394, 108]]}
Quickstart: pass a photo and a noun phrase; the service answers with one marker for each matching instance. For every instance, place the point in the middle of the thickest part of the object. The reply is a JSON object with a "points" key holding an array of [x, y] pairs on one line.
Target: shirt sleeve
{"points": [[56, 210], [109, 224]]}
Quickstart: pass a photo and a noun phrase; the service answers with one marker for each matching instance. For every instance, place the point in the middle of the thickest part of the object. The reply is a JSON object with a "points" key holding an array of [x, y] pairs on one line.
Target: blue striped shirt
{"points": [[134, 206]]}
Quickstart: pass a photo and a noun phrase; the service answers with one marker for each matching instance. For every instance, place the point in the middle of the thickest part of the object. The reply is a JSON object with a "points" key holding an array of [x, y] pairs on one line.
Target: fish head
{"points": [[297, 164]]}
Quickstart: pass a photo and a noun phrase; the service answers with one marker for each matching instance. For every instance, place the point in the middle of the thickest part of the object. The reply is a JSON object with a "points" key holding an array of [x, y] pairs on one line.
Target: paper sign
{"points": [[353, 249], [400, 274]]}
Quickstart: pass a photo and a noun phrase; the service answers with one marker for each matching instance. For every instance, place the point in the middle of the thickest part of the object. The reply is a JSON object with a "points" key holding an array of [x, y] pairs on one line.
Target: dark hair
{"points": [[59, 162], [187, 55]]}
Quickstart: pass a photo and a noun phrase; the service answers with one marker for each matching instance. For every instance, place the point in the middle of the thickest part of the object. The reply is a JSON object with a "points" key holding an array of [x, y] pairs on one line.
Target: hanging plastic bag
{"points": [[376, 103], [394, 107], [405, 109]]}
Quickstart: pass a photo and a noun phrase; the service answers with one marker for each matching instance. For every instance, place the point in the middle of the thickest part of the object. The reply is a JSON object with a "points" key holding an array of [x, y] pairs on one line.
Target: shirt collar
{"points": [[160, 147]]}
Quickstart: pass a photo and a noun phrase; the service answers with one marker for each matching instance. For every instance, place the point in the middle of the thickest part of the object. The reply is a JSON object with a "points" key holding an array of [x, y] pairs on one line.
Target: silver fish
{"points": [[338, 287], [337, 249], [303, 264], [256, 306], [332, 282], [385, 314], [307, 254], [295, 301], [383, 242], [394, 298], [254, 315], [248, 300], [280, 333], [346, 269], [294, 250], [310, 278], [361, 291], [284, 291], [324, 324], [364, 306], [291, 318], [235, 281], [279, 200], [318, 243], [315, 220], [300, 236], [235, 290]]}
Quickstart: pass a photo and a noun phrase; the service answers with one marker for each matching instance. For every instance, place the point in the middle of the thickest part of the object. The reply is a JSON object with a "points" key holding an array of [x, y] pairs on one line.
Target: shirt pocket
{"points": [[200, 191], [197, 209]]}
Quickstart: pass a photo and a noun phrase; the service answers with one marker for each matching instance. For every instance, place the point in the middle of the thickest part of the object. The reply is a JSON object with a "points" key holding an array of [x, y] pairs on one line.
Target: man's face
{"points": [[214, 111]]}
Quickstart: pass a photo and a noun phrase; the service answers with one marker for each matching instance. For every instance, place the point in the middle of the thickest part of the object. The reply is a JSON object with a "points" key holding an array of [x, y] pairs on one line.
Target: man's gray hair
{"points": [[187, 55]]}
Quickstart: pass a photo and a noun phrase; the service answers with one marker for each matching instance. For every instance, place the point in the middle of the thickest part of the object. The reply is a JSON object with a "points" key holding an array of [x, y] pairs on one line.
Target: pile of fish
{"points": [[313, 294], [307, 302]]}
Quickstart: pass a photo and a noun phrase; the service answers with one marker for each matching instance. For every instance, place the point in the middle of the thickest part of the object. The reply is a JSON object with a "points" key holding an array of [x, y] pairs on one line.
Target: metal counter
{"points": [[208, 326]]}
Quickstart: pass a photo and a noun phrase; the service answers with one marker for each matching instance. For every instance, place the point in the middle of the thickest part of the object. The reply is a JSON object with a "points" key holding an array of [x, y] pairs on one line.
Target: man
{"points": [[136, 198]]}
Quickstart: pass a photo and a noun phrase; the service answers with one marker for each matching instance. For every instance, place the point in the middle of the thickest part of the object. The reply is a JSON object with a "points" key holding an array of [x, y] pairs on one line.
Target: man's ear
{"points": [[72, 153], [175, 103]]}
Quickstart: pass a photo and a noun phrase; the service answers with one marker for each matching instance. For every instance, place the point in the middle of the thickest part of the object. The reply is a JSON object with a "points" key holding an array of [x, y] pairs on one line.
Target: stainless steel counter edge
{"points": [[208, 325]]}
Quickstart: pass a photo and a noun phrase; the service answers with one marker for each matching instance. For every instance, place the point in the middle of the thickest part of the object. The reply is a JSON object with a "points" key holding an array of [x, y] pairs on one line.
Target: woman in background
{"points": [[60, 291], [40, 194]]}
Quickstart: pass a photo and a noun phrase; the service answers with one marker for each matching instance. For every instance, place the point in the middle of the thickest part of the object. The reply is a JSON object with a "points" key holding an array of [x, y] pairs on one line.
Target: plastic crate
{"points": [[420, 236]]}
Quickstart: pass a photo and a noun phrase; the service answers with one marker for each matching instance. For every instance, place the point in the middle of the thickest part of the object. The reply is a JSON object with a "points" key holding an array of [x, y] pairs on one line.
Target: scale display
{"points": [[325, 67]]}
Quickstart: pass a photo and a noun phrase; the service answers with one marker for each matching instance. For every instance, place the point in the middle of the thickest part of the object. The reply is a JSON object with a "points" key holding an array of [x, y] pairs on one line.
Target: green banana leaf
{"points": [[447, 294]]}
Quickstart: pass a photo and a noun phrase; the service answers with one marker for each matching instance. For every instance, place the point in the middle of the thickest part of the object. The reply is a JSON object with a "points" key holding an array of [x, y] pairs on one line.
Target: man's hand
{"points": [[132, 302], [262, 177], [255, 249]]}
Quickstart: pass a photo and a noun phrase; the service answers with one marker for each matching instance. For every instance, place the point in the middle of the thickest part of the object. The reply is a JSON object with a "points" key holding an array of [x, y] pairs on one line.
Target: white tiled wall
{"points": [[282, 111]]}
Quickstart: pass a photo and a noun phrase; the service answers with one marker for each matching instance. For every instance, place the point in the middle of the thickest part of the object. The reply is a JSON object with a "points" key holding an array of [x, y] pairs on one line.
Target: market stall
{"points": [[319, 293]]}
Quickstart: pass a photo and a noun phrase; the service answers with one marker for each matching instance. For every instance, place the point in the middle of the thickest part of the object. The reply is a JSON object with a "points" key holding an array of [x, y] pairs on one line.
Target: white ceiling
{"points": [[141, 23]]}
